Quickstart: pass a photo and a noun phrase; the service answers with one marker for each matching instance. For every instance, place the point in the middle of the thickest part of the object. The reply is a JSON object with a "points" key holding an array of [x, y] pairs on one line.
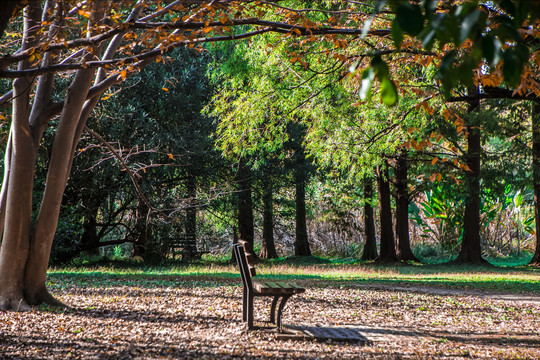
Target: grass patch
{"points": [[478, 278]]}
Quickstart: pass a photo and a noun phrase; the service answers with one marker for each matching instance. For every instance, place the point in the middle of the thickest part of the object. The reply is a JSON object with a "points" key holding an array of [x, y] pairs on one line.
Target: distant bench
{"points": [[187, 247], [251, 289]]}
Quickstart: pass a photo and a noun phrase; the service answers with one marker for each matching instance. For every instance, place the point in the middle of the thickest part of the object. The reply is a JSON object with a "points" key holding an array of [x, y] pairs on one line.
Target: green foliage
{"points": [[440, 217], [493, 29]]}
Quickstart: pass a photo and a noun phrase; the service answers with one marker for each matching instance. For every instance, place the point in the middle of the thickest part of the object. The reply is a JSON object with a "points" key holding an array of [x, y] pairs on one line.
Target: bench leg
{"points": [[280, 310], [244, 304], [249, 311], [273, 309]]}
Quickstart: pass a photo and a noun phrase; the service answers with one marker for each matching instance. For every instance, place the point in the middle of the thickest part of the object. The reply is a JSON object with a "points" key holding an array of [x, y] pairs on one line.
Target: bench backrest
{"points": [[247, 270]]}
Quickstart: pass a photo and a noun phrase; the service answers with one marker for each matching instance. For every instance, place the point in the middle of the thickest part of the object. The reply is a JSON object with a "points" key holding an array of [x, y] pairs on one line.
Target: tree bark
{"points": [[471, 251], [388, 246], [301, 245], [370, 243], [403, 248], [191, 217], [18, 210], [25, 253], [140, 231], [268, 247], [246, 230], [536, 179]]}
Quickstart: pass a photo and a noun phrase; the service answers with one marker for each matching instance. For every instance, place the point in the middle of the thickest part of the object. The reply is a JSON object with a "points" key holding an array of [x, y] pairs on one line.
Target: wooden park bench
{"points": [[277, 289], [187, 247]]}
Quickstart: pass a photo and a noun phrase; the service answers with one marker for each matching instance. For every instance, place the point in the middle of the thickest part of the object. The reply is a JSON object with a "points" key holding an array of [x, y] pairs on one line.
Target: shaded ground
{"points": [[160, 317]]}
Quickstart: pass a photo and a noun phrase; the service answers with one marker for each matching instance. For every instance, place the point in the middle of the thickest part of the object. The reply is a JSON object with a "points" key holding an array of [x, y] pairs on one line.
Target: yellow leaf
{"points": [[434, 161], [123, 74], [170, 156]]}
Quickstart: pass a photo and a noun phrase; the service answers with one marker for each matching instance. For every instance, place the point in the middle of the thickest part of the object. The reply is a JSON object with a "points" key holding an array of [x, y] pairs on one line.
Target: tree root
{"points": [[44, 297], [14, 304]]}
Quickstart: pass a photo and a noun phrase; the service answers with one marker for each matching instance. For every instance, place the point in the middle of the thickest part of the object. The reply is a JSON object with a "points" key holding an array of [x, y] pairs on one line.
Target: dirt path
{"points": [[520, 298]]}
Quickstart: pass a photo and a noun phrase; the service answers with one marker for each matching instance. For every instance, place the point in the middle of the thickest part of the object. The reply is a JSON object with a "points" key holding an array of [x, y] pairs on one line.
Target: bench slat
{"points": [[252, 270]]}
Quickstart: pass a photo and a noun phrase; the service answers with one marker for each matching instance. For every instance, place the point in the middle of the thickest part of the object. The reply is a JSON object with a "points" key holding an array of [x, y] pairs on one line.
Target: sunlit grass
{"points": [[489, 278]]}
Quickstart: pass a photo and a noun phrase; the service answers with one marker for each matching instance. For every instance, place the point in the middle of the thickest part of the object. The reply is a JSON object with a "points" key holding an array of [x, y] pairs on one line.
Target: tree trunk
{"points": [[18, 199], [536, 179], [388, 246], [370, 244], [301, 245], [89, 237], [471, 251], [403, 248], [140, 231], [246, 229], [25, 253], [191, 218], [268, 247]]}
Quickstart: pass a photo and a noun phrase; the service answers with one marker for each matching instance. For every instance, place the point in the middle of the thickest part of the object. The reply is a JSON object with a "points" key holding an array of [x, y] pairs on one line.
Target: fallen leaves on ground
{"points": [[152, 318]]}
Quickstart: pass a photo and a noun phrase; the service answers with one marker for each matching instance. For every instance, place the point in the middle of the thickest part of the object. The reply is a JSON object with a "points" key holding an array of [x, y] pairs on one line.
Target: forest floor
{"points": [[178, 317]]}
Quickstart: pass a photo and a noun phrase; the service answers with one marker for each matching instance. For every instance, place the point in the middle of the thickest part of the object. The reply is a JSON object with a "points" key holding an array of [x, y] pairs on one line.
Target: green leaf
{"points": [[518, 199], [428, 39], [429, 6], [389, 94], [397, 33], [366, 27], [511, 67], [380, 67], [467, 24], [367, 79], [410, 18], [379, 5], [491, 49]]}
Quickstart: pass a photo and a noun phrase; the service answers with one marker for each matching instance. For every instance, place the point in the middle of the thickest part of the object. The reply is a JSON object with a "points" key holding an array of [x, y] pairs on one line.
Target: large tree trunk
{"points": [[268, 247], [471, 251], [370, 243], [301, 245], [388, 246], [24, 255], [403, 247], [19, 184], [536, 178], [246, 230]]}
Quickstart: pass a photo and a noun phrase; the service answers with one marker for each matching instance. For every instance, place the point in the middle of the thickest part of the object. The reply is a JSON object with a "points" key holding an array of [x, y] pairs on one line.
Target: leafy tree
{"points": [[99, 44]]}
